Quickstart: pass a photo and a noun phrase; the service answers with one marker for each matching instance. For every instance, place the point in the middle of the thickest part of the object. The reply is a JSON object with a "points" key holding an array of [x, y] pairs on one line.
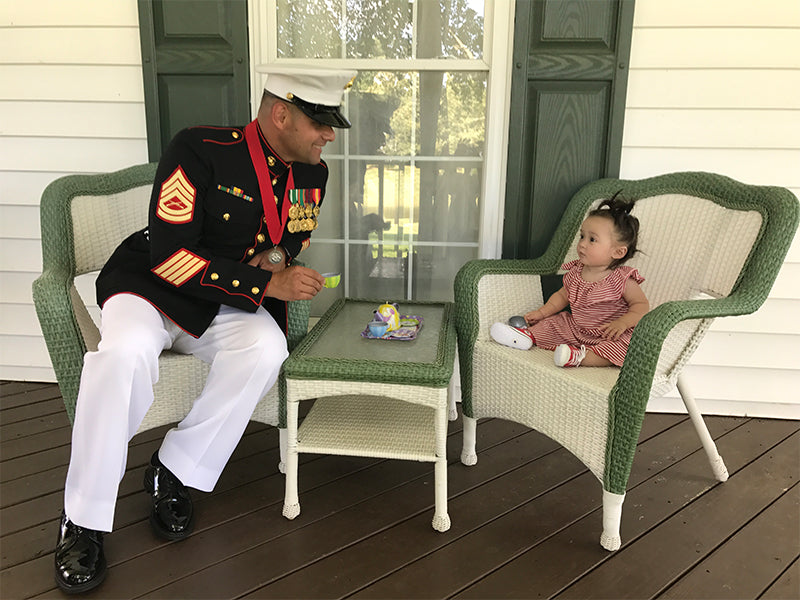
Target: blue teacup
{"points": [[378, 328]]}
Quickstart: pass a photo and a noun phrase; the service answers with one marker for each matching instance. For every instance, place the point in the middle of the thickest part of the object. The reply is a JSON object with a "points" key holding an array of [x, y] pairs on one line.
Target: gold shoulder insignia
{"points": [[176, 200]]}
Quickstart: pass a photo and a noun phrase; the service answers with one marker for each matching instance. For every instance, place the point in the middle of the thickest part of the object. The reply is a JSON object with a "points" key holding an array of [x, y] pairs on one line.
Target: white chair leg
{"points": [[291, 501], [468, 455], [612, 516], [717, 464], [452, 392], [283, 441]]}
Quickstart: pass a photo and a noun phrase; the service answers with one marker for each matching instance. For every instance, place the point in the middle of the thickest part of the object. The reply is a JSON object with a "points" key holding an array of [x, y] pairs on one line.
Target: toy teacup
{"points": [[378, 328], [331, 279]]}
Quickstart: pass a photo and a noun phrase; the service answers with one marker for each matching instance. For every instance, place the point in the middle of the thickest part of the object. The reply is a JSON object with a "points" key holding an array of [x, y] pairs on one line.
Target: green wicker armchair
{"points": [[83, 219], [711, 247]]}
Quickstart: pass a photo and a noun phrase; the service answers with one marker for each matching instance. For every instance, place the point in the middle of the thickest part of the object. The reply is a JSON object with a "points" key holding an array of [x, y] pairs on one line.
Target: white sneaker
{"points": [[567, 356], [513, 337]]}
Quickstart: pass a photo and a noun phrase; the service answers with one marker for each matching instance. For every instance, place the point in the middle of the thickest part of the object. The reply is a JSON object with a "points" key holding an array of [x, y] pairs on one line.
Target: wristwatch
{"points": [[275, 255]]}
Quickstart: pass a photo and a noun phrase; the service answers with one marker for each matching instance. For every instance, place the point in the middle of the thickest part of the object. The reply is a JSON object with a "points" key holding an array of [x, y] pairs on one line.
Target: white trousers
{"points": [[245, 351]]}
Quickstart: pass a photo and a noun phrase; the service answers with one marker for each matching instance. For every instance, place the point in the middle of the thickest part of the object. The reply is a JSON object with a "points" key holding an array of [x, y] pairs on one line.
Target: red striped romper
{"points": [[593, 305]]}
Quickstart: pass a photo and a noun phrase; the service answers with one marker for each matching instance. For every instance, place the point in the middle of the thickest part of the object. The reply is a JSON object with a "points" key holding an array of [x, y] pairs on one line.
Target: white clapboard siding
{"points": [[736, 391], [720, 89], [71, 101], [19, 222], [15, 287], [754, 166], [75, 13], [762, 48], [123, 120], [690, 128], [714, 86], [73, 155], [21, 256], [716, 13], [24, 187], [776, 316], [71, 45], [70, 83]]}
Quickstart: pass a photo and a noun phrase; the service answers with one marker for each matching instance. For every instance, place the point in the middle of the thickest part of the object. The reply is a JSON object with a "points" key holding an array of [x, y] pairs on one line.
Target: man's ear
{"points": [[280, 114]]}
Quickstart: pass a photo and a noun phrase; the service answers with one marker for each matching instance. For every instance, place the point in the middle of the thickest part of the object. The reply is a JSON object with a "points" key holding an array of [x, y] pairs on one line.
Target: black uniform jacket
{"points": [[206, 221]]}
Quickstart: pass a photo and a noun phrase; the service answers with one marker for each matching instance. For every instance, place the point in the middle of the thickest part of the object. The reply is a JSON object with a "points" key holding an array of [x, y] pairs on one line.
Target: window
{"points": [[403, 204]]}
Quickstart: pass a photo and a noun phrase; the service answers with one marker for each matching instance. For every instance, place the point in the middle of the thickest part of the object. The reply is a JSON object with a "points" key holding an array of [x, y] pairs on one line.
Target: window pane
{"points": [[309, 29], [331, 215], [382, 112], [434, 270], [450, 29], [379, 28], [451, 114], [380, 201], [435, 113], [447, 204], [378, 272]]}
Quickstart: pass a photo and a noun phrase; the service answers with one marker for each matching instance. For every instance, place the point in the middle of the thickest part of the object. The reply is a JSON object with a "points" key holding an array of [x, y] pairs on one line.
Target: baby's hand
{"points": [[614, 329], [534, 316]]}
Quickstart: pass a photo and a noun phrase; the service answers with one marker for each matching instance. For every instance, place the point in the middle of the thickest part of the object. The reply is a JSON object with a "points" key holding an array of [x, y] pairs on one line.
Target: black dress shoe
{"points": [[172, 516], [79, 557]]}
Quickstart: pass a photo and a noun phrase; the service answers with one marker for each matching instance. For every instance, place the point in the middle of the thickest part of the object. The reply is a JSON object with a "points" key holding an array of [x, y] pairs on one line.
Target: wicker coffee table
{"points": [[375, 397]]}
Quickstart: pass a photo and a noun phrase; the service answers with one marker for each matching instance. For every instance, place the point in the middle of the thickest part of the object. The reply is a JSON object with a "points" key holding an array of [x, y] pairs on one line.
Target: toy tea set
{"points": [[388, 324]]}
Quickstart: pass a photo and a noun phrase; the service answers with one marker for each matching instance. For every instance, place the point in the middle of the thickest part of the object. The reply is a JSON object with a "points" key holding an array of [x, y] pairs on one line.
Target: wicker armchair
{"points": [[711, 247], [83, 219]]}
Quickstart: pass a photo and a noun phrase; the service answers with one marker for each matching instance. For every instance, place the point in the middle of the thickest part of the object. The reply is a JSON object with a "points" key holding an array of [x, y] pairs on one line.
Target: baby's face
{"points": [[598, 245]]}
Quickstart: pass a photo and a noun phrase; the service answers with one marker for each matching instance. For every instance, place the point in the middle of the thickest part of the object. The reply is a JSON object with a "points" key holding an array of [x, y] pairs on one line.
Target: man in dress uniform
{"points": [[231, 207]]}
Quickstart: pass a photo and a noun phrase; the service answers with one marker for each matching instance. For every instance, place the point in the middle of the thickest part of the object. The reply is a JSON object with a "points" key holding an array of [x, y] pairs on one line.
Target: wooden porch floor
{"points": [[525, 520]]}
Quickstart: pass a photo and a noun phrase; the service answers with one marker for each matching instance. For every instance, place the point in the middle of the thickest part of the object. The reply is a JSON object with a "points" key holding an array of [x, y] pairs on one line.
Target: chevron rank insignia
{"points": [[176, 200], [180, 267]]}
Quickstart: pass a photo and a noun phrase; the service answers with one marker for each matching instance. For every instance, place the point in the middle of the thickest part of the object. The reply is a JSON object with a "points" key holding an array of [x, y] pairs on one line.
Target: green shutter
{"points": [[195, 66], [570, 73]]}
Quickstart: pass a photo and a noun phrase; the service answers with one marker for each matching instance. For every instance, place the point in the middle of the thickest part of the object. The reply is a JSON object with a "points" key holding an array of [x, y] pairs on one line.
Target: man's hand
{"points": [[295, 283], [261, 261]]}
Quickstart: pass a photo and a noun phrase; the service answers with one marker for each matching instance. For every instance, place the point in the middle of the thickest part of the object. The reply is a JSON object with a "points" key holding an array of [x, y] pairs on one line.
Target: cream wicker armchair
{"points": [[711, 247], [83, 219]]}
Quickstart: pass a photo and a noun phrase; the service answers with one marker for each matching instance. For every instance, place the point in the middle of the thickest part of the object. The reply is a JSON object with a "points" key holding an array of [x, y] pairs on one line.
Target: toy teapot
{"points": [[388, 313]]}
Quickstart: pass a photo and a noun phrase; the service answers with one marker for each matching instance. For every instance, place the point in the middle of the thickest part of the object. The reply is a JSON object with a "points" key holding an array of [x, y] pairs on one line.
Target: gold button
{"points": [[289, 96], [214, 276], [235, 135], [226, 216], [274, 181], [251, 252], [255, 291], [235, 283], [270, 161], [265, 219], [261, 237]]}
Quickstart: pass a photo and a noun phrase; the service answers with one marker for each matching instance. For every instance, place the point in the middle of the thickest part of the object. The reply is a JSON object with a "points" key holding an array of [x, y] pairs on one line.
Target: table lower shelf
{"points": [[373, 426]]}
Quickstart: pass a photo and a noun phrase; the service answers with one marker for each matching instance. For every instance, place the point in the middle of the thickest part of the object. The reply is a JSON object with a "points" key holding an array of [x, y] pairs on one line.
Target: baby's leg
{"points": [[595, 360], [553, 331]]}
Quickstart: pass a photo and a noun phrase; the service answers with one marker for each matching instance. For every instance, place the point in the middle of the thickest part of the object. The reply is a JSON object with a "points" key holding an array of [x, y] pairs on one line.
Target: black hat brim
{"points": [[327, 115]]}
